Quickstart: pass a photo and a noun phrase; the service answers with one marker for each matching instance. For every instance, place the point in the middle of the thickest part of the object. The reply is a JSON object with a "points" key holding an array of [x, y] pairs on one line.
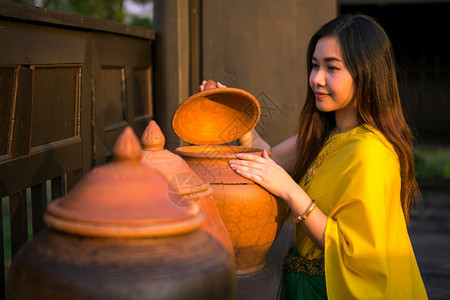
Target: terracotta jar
{"points": [[252, 216], [118, 235], [184, 181]]}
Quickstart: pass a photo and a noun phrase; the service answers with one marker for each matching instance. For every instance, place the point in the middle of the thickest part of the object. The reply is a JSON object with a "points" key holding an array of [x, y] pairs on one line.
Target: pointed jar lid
{"points": [[216, 115], [125, 198], [182, 179]]}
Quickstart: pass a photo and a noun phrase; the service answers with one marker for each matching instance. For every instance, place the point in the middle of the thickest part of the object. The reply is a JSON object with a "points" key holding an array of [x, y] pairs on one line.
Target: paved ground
{"points": [[430, 235]]}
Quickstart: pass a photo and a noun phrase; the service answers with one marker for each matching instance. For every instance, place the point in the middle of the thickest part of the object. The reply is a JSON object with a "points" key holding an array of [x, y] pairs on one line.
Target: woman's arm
{"points": [[253, 140], [285, 154]]}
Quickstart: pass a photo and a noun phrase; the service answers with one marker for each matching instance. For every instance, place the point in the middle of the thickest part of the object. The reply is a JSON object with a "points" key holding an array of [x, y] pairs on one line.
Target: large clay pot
{"points": [[252, 216], [117, 235], [184, 181]]}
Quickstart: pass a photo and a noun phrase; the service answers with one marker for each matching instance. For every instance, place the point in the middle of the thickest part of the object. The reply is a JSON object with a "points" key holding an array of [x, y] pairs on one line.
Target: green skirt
{"points": [[298, 285]]}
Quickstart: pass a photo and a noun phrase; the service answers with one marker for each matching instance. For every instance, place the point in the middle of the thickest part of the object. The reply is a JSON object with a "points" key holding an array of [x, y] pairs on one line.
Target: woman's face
{"points": [[330, 80]]}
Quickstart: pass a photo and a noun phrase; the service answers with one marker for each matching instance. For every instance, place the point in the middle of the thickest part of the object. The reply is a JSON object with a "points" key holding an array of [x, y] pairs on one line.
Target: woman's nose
{"points": [[318, 78]]}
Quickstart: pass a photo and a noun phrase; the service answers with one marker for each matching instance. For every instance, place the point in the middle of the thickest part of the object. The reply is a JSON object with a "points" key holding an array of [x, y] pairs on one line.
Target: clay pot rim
{"points": [[216, 151], [124, 230], [72, 215], [231, 92]]}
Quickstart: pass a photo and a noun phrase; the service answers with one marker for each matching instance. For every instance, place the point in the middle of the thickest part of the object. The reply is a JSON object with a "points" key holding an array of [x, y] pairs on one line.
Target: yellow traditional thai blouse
{"points": [[368, 253]]}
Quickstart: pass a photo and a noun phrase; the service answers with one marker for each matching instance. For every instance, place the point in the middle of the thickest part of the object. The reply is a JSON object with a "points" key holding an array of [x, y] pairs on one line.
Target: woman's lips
{"points": [[320, 95]]}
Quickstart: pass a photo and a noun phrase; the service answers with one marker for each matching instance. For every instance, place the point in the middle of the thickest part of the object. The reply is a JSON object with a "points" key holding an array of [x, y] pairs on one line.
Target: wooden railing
{"points": [[68, 86]]}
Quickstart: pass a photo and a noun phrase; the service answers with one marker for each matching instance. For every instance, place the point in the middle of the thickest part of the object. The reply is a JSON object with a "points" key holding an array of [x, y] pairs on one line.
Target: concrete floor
{"points": [[430, 236]]}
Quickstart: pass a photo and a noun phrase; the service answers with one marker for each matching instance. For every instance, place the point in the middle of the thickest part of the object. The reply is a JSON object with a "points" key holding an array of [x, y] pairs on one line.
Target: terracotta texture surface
{"points": [[57, 265], [252, 216], [216, 116]]}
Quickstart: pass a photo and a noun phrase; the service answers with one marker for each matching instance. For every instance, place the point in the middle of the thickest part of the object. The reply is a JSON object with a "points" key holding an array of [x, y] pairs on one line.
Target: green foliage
{"points": [[140, 22], [432, 162], [104, 9]]}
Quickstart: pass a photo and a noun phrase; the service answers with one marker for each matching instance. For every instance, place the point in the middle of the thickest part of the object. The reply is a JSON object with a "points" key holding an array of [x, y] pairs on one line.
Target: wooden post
{"points": [[195, 44], [18, 219], [38, 206], [171, 25]]}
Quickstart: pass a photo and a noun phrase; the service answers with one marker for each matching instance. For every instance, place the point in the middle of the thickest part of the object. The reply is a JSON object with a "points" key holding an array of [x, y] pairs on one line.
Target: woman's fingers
{"points": [[202, 86], [250, 175], [250, 162], [251, 166], [249, 170], [245, 163], [252, 157], [253, 169], [217, 84], [263, 171]]}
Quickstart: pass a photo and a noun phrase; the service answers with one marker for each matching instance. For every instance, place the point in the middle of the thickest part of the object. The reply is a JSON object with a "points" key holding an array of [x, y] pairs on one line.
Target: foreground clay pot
{"points": [[252, 216], [184, 181], [118, 235]]}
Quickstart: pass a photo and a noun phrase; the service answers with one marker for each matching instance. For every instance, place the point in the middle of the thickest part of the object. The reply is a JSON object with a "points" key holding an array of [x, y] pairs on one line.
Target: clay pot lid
{"points": [[125, 198], [216, 115], [183, 180]]}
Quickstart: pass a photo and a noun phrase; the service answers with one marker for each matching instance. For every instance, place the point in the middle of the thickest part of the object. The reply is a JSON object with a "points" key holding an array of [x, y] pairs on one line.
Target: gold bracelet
{"points": [[307, 213]]}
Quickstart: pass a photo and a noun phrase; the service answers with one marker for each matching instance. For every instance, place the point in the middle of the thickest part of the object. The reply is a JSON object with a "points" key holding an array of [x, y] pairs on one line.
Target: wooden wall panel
{"points": [[7, 90], [143, 107], [112, 89], [56, 103], [113, 105], [43, 163], [42, 44], [122, 89], [22, 112]]}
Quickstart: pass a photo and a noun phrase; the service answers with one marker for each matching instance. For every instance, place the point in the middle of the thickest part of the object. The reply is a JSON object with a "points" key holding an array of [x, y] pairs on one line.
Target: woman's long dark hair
{"points": [[368, 55]]}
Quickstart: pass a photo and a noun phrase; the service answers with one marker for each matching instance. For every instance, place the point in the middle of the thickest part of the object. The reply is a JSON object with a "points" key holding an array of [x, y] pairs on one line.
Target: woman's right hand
{"points": [[217, 84]]}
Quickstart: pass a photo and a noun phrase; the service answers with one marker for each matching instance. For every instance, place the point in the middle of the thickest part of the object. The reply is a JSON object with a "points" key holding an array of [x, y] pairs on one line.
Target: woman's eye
{"points": [[314, 66], [333, 68]]}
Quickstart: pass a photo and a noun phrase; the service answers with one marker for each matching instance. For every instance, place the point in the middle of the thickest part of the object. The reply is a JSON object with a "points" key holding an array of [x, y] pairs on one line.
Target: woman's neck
{"points": [[345, 122]]}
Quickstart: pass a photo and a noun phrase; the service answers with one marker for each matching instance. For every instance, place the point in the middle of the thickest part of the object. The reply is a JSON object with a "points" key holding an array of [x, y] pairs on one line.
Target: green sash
{"points": [[303, 286]]}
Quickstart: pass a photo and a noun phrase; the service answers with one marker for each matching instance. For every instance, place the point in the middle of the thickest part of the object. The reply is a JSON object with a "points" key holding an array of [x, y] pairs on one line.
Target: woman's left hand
{"points": [[265, 172]]}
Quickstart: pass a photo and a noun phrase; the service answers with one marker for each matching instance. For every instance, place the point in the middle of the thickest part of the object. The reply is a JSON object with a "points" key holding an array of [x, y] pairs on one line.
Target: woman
{"points": [[348, 176]]}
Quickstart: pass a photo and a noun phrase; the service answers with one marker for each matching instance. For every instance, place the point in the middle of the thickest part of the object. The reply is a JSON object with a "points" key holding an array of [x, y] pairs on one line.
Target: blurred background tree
{"points": [[132, 12]]}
